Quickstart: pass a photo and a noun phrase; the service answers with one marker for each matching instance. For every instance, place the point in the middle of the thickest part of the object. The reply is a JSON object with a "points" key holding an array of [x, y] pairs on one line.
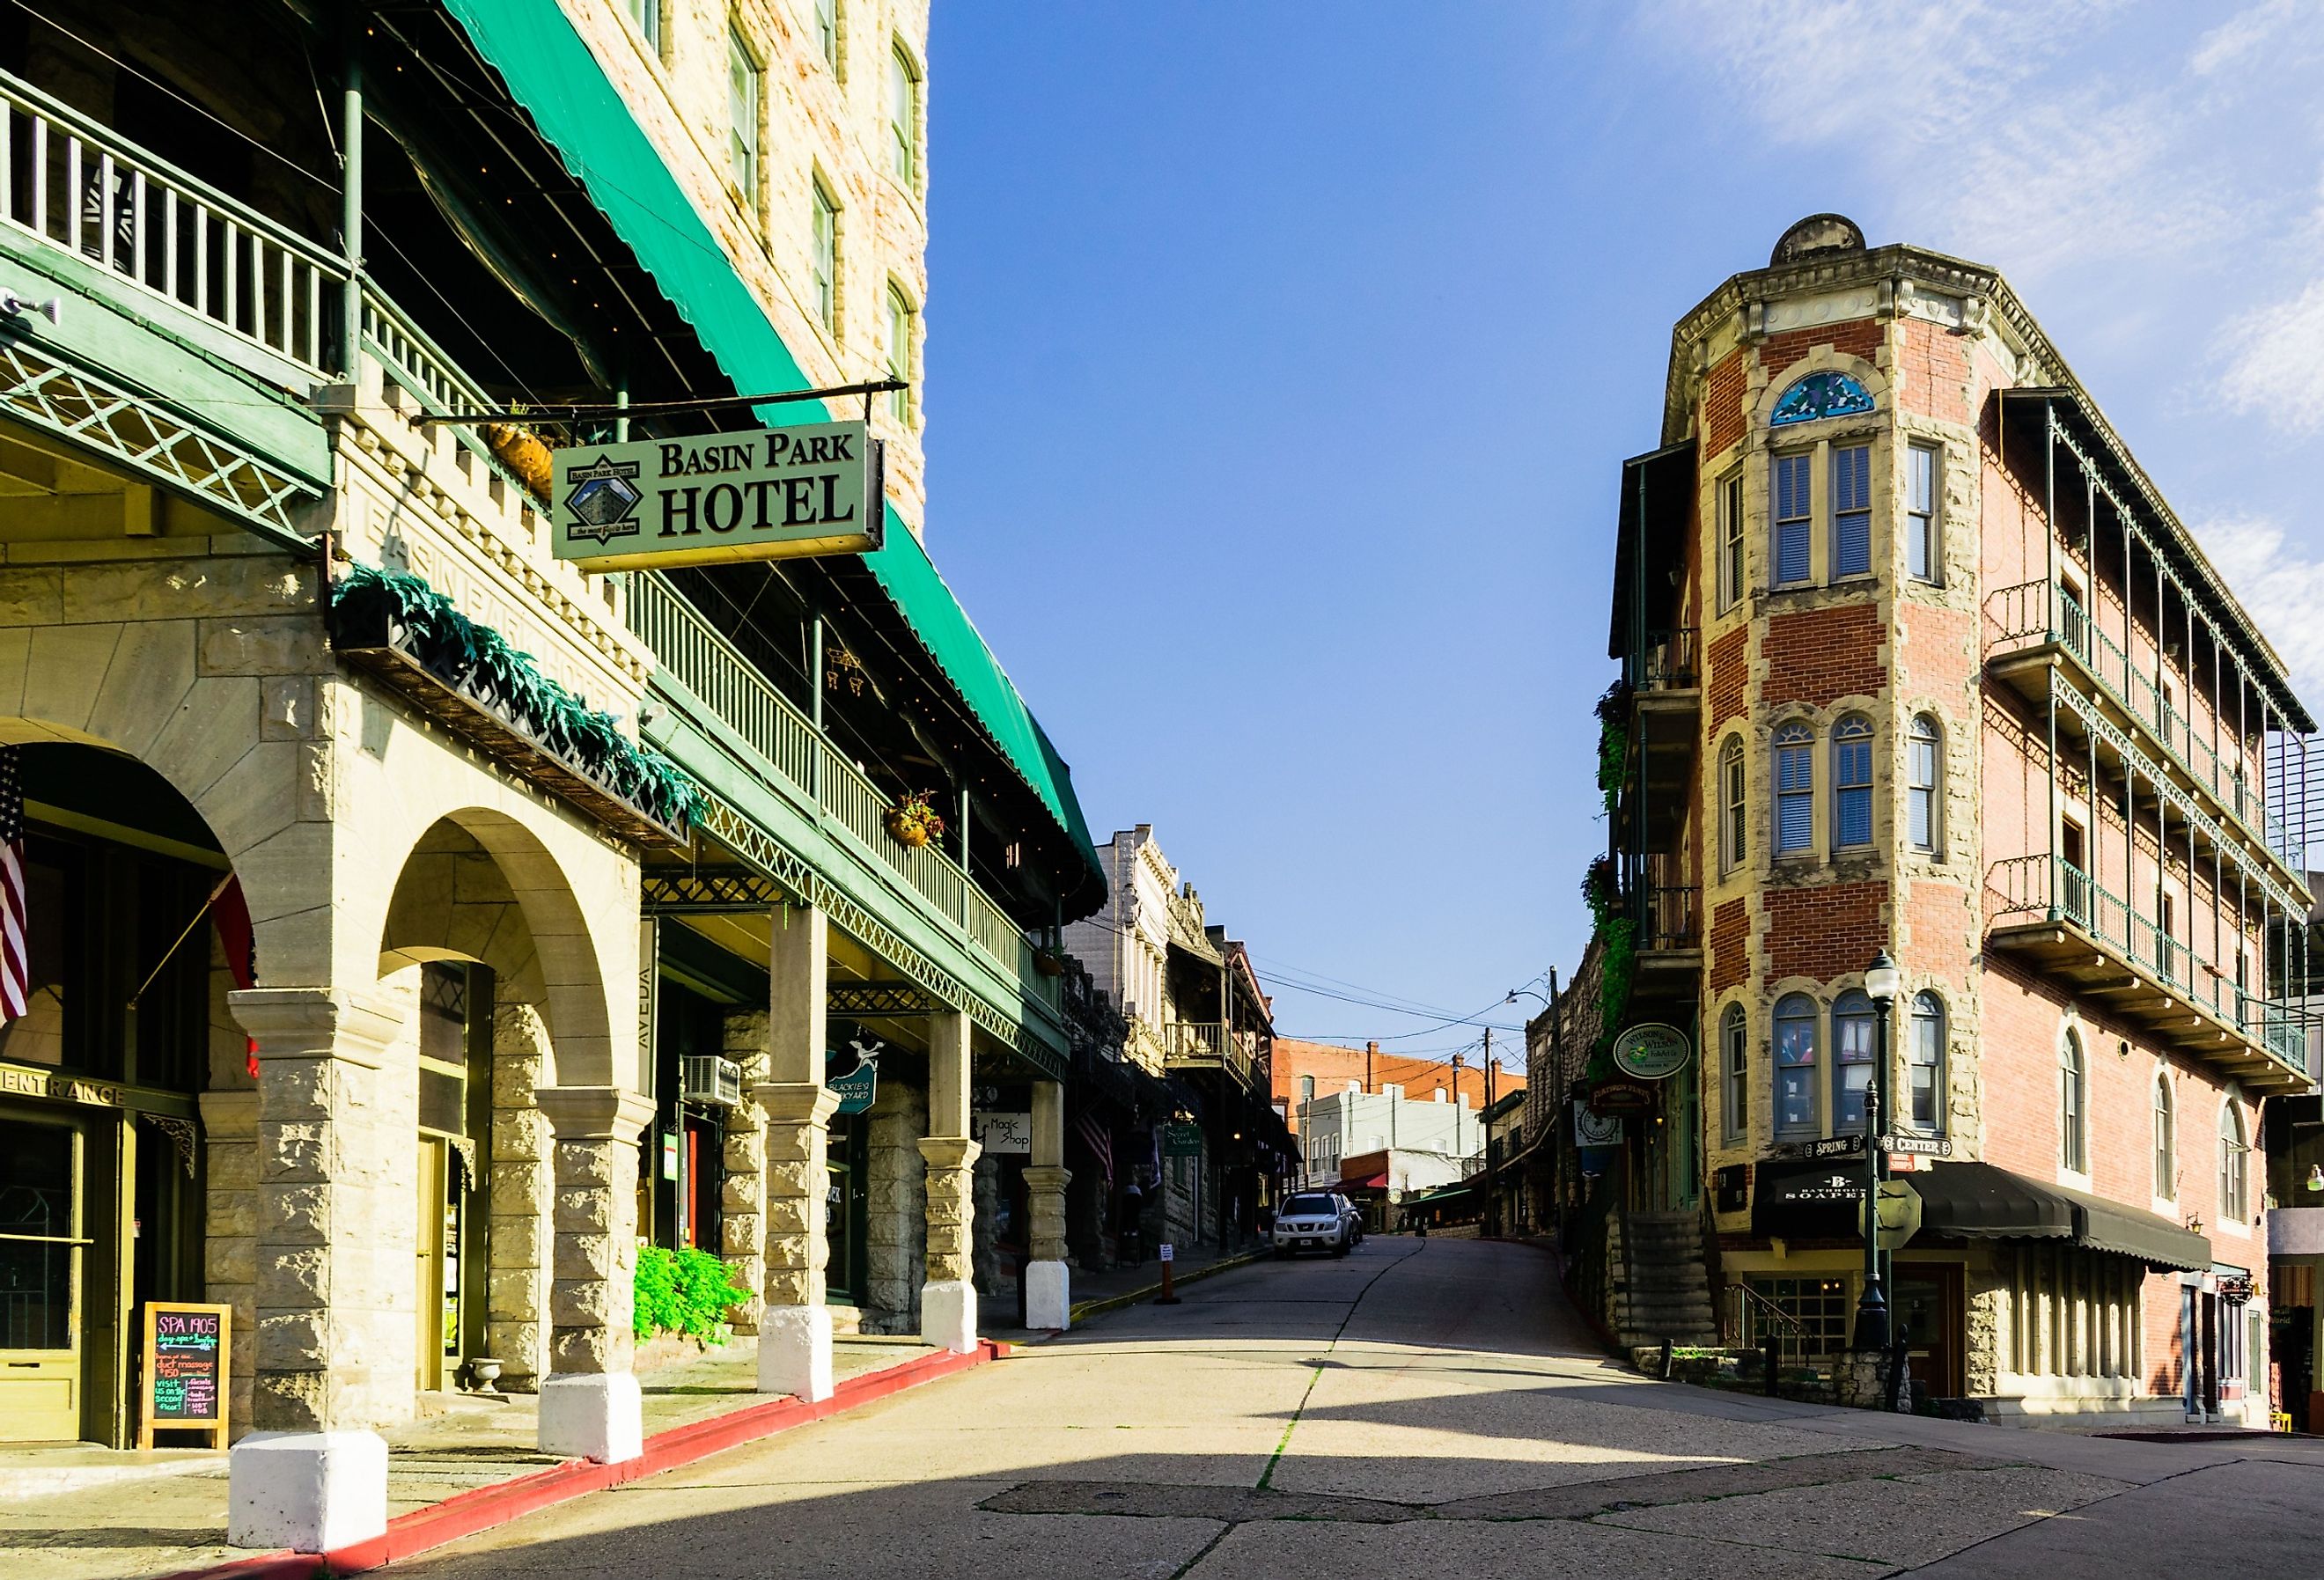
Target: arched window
{"points": [[1799, 1110], [2166, 1140], [1924, 1060], [1794, 788], [1852, 782], [2235, 1165], [1820, 395], [1923, 814], [1732, 804], [1852, 1032], [2073, 1105], [1734, 1066]]}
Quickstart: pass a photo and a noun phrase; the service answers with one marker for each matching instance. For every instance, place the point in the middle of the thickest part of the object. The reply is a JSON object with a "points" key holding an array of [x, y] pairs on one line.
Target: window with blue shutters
{"points": [[1794, 788], [1851, 511], [1852, 782], [1788, 482], [1798, 1111]]}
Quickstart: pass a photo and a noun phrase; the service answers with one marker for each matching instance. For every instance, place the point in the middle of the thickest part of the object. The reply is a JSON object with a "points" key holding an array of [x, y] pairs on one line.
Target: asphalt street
{"points": [[1423, 1407]]}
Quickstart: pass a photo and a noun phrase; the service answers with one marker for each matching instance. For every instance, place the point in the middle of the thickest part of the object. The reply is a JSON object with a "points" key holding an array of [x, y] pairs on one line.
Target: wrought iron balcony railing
{"points": [[1669, 660], [1206, 1044]]}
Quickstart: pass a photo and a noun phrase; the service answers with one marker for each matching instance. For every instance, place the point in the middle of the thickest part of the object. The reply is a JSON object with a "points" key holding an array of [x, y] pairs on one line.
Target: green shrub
{"points": [[684, 1291]]}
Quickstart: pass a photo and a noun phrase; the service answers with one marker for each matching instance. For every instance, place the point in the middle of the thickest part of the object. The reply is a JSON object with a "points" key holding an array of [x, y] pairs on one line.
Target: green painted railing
{"points": [[2054, 887], [817, 776]]}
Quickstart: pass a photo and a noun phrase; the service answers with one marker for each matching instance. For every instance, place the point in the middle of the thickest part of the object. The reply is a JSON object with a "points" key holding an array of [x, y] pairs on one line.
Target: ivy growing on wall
{"points": [[1613, 743], [478, 661], [1617, 963]]}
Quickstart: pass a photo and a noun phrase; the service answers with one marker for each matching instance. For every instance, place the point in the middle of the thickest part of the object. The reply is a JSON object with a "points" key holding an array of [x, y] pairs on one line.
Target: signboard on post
{"points": [[1651, 1052], [1899, 1207], [761, 494], [1181, 1139], [852, 1069], [187, 1347], [1002, 1134]]}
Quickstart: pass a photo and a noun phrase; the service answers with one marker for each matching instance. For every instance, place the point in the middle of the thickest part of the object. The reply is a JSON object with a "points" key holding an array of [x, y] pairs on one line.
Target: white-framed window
{"points": [[903, 115], [1792, 512], [2166, 1139], [1852, 510], [645, 15], [1799, 1093], [1794, 788], [1923, 813], [745, 90], [1733, 805], [826, 31], [901, 326], [1924, 1059], [2073, 1105], [1852, 782], [1925, 473], [1853, 1038], [1730, 539], [1734, 1066], [824, 254], [2235, 1165]]}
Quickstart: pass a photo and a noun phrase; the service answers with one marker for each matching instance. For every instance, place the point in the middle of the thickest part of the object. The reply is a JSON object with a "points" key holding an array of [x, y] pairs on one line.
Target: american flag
{"points": [[15, 968], [1099, 1141]]}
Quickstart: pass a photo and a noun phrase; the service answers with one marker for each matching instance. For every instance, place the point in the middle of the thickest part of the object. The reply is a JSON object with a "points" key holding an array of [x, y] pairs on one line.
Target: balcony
{"points": [[1666, 728], [820, 779], [1666, 925], [2053, 914], [1206, 1045], [2032, 625]]}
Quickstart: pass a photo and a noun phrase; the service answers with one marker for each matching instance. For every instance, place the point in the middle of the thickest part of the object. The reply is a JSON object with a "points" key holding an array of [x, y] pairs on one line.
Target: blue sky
{"points": [[1281, 358]]}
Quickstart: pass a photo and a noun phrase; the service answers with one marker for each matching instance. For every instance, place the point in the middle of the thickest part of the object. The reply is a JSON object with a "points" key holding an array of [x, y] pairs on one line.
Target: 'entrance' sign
{"points": [[764, 494], [186, 1360]]}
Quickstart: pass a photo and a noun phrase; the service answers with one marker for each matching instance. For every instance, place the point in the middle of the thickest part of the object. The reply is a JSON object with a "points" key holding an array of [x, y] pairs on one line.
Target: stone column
{"points": [[1048, 1282], [521, 1192], [948, 1295], [590, 1407], [230, 1232], [795, 1329], [333, 1292], [742, 1198]]}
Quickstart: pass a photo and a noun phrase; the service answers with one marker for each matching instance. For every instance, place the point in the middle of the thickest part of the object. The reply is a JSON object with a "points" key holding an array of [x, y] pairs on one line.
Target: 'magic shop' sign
{"points": [[768, 494]]}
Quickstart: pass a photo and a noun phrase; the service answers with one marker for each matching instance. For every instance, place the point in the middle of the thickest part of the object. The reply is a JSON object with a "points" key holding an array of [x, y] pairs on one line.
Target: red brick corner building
{"points": [[1916, 657]]}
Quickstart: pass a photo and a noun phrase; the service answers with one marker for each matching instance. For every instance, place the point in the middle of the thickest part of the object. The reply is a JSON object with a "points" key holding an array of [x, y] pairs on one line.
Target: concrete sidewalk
{"points": [[81, 1513]]}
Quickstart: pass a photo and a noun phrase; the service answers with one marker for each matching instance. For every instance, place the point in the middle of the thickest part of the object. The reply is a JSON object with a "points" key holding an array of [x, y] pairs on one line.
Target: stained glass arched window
{"points": [[1820, 395]]}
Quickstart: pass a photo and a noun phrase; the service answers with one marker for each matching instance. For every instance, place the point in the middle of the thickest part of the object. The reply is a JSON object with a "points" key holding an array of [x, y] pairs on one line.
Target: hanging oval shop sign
{"points": [[1652, 1051]]}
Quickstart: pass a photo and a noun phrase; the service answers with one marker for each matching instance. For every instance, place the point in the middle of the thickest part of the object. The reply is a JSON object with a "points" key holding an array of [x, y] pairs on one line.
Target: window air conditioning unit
{"points": [[709, 1078]]}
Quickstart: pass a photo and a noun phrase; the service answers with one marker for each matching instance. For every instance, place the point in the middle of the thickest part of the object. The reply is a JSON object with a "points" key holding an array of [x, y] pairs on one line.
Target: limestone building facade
{"points": [[1916, 658]]}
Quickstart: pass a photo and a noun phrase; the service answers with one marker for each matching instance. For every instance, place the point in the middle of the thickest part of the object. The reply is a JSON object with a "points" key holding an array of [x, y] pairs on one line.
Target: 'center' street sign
{"points": [[766, 493]]}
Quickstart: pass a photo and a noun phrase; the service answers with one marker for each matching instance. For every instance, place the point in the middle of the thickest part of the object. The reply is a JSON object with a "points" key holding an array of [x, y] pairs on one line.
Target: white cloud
{"points": [[2280, 584], [2276, 362], [2237, 39]]}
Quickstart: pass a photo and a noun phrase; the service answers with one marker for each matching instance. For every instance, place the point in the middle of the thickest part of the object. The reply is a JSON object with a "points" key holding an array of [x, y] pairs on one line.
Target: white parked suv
{"points": [[1313, 1220]]}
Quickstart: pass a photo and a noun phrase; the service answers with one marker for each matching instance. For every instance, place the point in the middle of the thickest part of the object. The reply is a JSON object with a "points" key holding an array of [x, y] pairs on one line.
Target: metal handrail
{"points": [[90, 193]]}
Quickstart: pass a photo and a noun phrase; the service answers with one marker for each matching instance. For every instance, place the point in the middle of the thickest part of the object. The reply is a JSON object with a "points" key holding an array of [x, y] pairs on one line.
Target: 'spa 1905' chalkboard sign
{"points": [[186, 1351]]}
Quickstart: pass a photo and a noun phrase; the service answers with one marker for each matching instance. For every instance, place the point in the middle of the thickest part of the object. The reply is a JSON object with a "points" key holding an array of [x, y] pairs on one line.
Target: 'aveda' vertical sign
{"points": [[765, 493]]}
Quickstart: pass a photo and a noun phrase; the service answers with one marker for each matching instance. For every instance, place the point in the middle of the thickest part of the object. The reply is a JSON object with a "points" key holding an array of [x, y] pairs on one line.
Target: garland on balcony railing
{"points": [[1613, 743], [477, 659], [1602, 892]]}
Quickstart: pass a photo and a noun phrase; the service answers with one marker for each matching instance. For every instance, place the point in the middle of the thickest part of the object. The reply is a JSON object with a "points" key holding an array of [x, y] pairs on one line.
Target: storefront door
{"points": [[42, 1246], [436, 1262], [1926, 1307]]}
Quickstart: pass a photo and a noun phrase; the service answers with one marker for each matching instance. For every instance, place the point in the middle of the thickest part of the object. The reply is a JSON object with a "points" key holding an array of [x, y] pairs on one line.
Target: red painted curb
{"points": [[485, 1508]]}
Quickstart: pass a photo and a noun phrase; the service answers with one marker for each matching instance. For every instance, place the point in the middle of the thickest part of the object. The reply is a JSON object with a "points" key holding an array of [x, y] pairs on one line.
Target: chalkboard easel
{"points": [[187, 1348]]}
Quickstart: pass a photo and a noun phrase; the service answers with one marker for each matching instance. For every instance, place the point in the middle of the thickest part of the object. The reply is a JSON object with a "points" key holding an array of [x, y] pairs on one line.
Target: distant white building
{"points": [[1424, 1143]]}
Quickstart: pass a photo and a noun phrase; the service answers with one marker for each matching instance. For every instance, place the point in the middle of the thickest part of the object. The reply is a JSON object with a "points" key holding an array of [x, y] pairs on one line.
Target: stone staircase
{"points": [[1661, 1291]]}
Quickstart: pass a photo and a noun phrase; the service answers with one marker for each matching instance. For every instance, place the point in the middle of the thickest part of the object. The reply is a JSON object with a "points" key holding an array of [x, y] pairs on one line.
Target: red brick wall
{"points": [[1730, 664], [1859, 339], [1722, 405], [1932, 371], [1817, 655], [1937, 922], [1936, 650], [1730, 945], [1823, 931], [1333, 1066]]}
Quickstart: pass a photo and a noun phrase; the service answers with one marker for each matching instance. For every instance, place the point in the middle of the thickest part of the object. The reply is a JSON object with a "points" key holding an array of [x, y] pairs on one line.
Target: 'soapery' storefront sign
{"points": [[771, 493]]}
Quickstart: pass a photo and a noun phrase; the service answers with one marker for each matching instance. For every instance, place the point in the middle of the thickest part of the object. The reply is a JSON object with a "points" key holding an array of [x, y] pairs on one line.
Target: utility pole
{"points": [[1493, 1174]]}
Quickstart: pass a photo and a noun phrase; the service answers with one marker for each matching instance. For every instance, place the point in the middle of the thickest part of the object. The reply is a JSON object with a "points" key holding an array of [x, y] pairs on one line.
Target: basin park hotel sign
{"points": [[415, 926], [1915, 657]]}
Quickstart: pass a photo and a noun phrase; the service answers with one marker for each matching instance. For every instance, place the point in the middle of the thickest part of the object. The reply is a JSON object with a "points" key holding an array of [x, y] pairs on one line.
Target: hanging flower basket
{"points": [[914, 821], [521, 452], [1048, 962]]}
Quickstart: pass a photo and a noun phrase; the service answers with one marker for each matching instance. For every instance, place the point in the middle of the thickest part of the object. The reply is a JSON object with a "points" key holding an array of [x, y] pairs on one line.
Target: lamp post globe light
{"points": [[1882, 983]]}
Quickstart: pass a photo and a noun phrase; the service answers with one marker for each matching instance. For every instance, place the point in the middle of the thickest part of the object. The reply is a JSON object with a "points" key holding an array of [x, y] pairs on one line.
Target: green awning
{"points": [[550, 71]]}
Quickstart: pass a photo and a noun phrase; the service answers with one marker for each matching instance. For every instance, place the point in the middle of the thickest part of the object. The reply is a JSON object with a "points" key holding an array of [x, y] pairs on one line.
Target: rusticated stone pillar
{"points": [[742, 1198], [590, 1406], [1048, 1281], [795, 1327], [230, 1232], [333, 1292], [520, 1190], [948, 1295]]}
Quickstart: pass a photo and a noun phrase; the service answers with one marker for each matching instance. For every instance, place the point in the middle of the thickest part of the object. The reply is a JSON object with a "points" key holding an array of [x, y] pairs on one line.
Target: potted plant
{"points": [[520, 449], [914, 821]]}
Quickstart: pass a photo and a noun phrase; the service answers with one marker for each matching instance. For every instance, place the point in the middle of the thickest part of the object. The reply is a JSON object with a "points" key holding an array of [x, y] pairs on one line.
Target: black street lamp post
{"points": [[1882, 981]]}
